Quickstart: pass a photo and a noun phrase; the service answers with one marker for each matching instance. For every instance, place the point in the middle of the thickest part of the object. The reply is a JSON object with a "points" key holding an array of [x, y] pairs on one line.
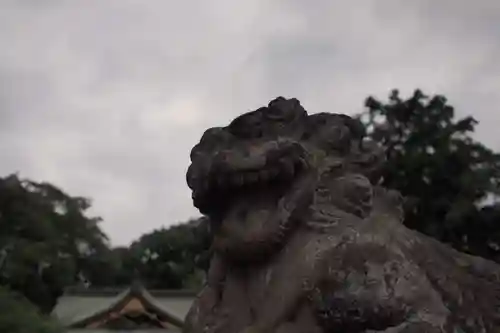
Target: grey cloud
{"points": [[106, 98]]}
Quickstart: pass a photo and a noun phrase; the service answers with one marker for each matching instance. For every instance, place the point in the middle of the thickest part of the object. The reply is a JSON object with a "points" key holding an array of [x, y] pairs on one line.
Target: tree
{"points": [[18, 315], [442, 171], [46, 240], [172, 258]]}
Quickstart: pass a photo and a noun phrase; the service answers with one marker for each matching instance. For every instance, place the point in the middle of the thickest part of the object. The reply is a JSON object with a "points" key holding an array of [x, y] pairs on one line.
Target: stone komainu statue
{"points": [[304, 240]]}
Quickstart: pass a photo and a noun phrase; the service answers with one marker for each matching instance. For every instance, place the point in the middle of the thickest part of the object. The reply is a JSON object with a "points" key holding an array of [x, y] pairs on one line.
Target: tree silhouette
{"points": [[445, 175]]}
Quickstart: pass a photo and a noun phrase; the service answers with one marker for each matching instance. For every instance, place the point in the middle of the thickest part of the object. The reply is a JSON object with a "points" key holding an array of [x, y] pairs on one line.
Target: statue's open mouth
{"points": [[246, 178]]}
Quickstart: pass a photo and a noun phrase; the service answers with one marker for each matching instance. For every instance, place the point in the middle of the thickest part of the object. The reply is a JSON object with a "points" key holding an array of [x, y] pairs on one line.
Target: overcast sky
{"points": [[105, 98]]}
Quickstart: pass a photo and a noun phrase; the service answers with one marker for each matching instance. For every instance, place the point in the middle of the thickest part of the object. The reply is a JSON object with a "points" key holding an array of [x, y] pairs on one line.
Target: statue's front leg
{"points": [[199, 316], [288, 288], [277, 309]]}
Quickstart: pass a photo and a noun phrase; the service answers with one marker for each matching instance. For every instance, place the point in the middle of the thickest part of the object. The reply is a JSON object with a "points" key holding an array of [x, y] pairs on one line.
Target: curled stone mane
{"points": [[275, 157], [306, 240]]}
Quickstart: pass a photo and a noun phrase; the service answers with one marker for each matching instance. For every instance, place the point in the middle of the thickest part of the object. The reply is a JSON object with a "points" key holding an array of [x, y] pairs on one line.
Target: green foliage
{"points": [[168, 258], [48, 243], [443, 172], [18, 315], [45, 239], [172, 258]]}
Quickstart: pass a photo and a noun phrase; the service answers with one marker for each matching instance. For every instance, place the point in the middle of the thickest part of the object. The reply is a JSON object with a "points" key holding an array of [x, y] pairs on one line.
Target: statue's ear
{"points": [[369, 160], [349, 192], [389, 201]]}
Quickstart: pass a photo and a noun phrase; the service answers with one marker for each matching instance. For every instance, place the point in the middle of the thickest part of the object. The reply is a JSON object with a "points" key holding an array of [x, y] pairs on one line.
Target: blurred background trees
{"points": [[450, 181], [46, 240]]}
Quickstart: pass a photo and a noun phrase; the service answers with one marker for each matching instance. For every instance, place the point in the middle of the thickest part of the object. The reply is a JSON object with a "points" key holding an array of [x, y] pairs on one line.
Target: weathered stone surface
{"points": [[305, 241]]}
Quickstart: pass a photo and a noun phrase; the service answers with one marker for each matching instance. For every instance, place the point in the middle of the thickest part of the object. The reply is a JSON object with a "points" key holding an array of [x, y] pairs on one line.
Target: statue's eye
{"points": [[213, 139], [247, 126], [282, 110], [275, 114], [336, 138], [215, 136]]}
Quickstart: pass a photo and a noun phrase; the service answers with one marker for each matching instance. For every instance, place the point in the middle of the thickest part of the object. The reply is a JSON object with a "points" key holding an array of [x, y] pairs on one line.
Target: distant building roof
{"points": [[89, 310]]}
